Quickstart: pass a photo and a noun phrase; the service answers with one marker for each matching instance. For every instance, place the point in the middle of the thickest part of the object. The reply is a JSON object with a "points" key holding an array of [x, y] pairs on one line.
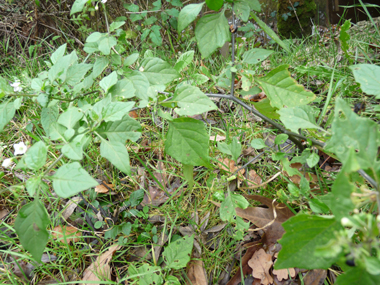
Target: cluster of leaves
{"points": [[311, 240]]}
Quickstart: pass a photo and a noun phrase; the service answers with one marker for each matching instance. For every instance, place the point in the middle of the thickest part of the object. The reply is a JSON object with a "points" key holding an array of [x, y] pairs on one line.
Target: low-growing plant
{"points": [[326, 232]]}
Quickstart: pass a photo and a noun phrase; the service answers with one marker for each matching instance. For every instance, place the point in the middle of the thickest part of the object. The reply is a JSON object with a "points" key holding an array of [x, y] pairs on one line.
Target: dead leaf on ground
{"points": [[264, 217], [229, 165], [315, 277], [133, 114], [253, 179], [66, 234], [251, 249], [217, 138], [3, 213], [283, 274], [104, 187], [196, 273], [296, 179], [260, 263], [156, 196], [70, 206], [100, 269]]}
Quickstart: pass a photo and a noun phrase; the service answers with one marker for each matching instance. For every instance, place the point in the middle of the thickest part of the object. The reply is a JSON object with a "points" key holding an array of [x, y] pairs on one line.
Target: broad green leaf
{"points": [[58, 53], [283, 90], [108, 81], [211, 32], [59, 69], [357, 275], [5, 87], [70, 179], [34, 183], [123, 89], [233, 149], [352, 131], [116, 25], [94, 37], [340, 203], [140, 83], [100, 64], [368, 75], [258, 144], [300, 117], [312, 160], [188, 14], [131, 59], [256, 55], [214, 4], [120, 131], [117, 154], [30, 225], [35, 157], [191, 101], [227, 210], [76, 72], [74, 149], [242, 9], [145, 274], [254, 5], [7, 112], [268, 30], [56, 131], [177, 254], [77, 6], [155, 35], [115, 111], [158, 71], [184, 60], [70, 117], [188, 174], [281, 139], [303, 234], [199, 79], [187, 141], [266, 109], [106, 44], [49, 115]]}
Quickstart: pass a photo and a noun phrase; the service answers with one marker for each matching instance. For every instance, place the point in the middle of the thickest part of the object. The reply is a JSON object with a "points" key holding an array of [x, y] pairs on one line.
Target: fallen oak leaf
{"points": [[246, 269], [103, 188], [100, 269], [283, 274], [228, 165], [268, 219], [260, 263]]}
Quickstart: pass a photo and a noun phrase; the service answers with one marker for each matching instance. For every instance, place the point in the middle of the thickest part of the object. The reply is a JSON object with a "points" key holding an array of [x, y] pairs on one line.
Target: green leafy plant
{"points": [[71, 124]]}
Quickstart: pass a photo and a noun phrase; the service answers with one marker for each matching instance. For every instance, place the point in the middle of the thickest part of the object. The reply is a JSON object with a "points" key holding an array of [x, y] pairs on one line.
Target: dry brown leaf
{"points": [[229, 165], [196, 273], [296, 179], [100, 269], [66, 234], [133, 114], [264, 217], [103, 188], [283, 274], [3, 213], [315, 277], [260, 263], [70, 206], [256, 179], [155, 197], [217, 138], [251, 249]]}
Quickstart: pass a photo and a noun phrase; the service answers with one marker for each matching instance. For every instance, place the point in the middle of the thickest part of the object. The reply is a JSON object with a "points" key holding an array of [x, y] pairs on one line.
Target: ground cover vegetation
{"points": [[144, 157]]}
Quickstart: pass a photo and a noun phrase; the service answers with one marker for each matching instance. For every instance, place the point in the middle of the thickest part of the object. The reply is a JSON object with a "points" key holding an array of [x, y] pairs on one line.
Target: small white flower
{"points": [[16, 86], [20, 148], [104, 1], [7, 162], [141, 69]]}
